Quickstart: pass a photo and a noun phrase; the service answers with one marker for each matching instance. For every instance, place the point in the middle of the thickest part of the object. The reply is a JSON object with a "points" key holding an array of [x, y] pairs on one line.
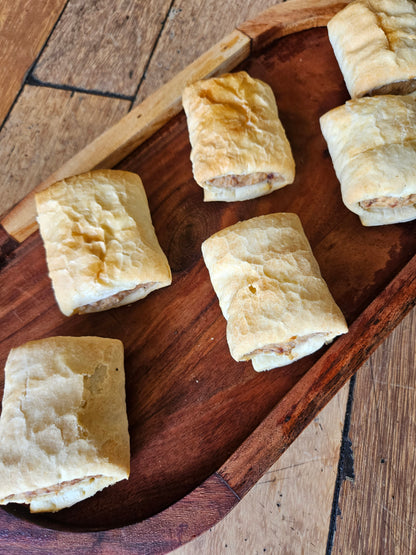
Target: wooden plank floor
{"points": [[96, 61], [24, 29], [101, 46], [378, 507], [34, 141]]}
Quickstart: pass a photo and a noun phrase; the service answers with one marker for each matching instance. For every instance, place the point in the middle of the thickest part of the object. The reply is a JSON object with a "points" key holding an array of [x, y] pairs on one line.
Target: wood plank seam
{"points": [[345, 467], [30, 70], [152, 51], [224, 481], [34, 82]]}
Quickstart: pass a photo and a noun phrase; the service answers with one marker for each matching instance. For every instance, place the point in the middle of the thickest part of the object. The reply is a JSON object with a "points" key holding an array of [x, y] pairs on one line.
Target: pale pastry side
{"points": [[277, 306], [101, 247], [63, 427], [372, 143], [374, 42], [239, 146]]}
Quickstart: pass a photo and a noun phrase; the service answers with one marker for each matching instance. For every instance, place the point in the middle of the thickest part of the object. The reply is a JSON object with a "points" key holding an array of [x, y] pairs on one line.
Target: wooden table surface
{"points": [[69, 70]]}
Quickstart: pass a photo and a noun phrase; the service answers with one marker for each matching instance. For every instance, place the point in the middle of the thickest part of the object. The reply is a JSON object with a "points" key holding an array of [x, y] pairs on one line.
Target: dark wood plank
{"points": [[378, 508], [190, 27], [317, 386], [170, 529], [102, 46], [45, 127], [24, 27]]}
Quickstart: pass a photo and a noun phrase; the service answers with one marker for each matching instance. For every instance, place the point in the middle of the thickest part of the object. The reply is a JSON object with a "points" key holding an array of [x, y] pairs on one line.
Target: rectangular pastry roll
{"points": [[374, 42], [239, 147], [277, 306], [372, 143], [101, 247], [63, 427]]}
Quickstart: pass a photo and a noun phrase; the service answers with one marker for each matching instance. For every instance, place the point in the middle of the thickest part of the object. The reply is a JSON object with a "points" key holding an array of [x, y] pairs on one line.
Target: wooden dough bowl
{"points": [[203, 427]]}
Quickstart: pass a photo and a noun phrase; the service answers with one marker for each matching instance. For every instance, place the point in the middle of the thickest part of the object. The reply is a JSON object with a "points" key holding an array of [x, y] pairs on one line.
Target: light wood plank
{"points": [[288, 510], [45, 128], [378, 509], [191, 27], [24, 27], [102, 45], [114, 144]]}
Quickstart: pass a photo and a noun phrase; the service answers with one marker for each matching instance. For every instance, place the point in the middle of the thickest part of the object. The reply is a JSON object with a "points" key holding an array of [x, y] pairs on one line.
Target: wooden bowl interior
{"points": [[190, 405]]}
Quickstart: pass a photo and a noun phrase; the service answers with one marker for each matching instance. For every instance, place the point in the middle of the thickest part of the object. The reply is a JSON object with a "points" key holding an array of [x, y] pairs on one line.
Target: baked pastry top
{"points": [[374, 42], [101, 247], [372, 143], [63, 427], [239, 147], [277, 306]]}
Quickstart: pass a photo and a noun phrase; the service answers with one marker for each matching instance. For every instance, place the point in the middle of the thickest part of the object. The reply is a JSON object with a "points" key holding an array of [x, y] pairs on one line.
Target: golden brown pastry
{"points": [[239, 147], [372, 142], [101, 247], [277, 306], [374, 42], [63, 427]]}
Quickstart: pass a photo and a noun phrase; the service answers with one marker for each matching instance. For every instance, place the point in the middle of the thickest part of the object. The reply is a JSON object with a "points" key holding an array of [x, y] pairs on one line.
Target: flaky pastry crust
{"points": [[101, 247], [372, 142], [63, 427], [239, 147], [277, 306], [374, 42]]}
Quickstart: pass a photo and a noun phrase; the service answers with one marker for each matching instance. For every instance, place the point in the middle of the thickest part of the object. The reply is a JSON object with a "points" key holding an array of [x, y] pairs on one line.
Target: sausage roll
{"points": [[63, 427], [372, 142], [239, 147], [101, 247], [374, 42], [277, 306]]}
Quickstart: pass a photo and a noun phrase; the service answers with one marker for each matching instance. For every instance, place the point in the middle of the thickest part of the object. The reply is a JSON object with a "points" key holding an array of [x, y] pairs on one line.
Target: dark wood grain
{"points": [[293, 16], [312, 392], [160, 534], [191, 408], [7, 247]]}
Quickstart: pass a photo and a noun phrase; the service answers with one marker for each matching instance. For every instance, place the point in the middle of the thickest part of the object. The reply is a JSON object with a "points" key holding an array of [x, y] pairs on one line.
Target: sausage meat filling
{"points": [[56, 488], [388, 202], [397, 87], [284, 348], [226, 181]]}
